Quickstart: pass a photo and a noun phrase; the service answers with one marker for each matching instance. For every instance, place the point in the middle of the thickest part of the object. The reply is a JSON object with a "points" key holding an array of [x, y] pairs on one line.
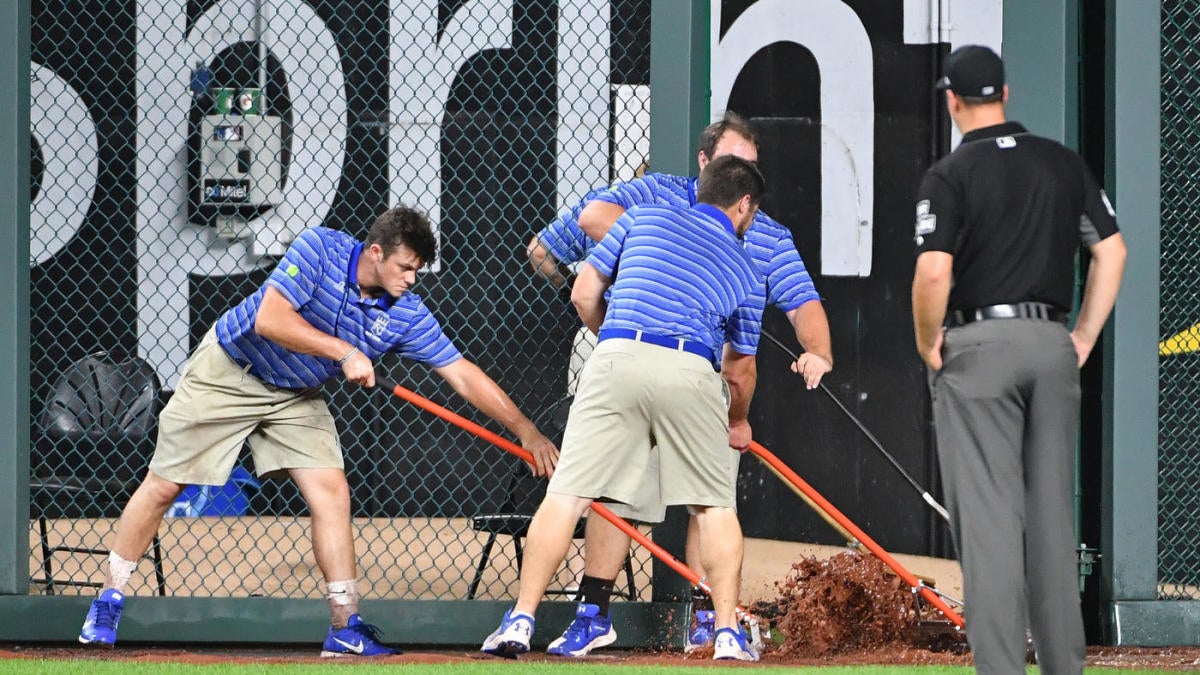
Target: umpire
{"points": [[998, 225]]}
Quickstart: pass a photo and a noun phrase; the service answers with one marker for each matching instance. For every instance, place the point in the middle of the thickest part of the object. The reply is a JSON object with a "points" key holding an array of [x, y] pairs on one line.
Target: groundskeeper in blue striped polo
{"points": [[318, 277], [681, 274], [768, 243]]}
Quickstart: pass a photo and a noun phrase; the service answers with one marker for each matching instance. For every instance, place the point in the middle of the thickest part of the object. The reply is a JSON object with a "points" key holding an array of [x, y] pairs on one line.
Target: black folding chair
{"points": [[522, 496], [92, 442]]}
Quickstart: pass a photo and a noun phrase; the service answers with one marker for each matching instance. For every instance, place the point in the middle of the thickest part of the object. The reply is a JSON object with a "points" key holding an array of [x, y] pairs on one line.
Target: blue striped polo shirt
{"points": [[768, 243], [564, 239], [318, 275], [683, 273]]}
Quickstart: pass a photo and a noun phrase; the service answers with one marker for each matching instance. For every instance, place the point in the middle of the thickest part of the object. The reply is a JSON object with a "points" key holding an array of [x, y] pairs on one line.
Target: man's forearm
{"points": [[591, 313], [587, 295], [741, 375], [545, 265], [1100, 291], [811, 325], [930, 293], [482, 392]]}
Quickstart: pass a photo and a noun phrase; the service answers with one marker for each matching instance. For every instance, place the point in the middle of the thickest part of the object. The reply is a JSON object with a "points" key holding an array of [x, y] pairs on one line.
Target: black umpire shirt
{"points": [[1012, 208]]}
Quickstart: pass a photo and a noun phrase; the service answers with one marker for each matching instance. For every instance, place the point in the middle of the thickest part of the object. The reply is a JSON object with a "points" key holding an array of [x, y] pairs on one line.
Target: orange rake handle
{"points": [[508, 446], [908, 578]]}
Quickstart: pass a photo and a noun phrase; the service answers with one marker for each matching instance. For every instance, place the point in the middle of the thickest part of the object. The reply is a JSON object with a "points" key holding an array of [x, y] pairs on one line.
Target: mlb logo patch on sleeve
{"points": [[926, 221]]}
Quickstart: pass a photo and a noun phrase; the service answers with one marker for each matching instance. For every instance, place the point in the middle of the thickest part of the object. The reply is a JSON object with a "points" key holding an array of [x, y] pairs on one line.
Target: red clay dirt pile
{"points": [[847, 603]]}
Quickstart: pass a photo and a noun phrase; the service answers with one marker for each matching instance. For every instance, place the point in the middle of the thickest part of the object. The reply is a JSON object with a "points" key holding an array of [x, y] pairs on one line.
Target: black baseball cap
{"points": [[973, 71]]}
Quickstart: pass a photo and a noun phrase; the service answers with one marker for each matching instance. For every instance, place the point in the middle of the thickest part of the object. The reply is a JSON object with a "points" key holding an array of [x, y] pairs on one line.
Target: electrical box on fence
{"points": [[240, 170], [240, 163]]}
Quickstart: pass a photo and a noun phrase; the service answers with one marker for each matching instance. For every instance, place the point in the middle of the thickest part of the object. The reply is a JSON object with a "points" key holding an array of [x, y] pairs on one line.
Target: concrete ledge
{"points": [[1156, 623], [286, 621]]}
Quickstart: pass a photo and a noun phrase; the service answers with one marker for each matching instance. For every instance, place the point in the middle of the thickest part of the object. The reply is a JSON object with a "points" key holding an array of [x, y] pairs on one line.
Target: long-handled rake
{"points": [[757, 630], [928, 498]]}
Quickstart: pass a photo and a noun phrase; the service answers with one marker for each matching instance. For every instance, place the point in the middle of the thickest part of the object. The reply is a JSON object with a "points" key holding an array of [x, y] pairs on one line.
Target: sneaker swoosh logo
{"points": [[356, 647]]}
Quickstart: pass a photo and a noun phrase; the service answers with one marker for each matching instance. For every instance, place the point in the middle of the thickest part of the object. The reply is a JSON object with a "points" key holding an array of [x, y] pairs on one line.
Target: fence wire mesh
{"points": [[1179, 361], [179, 146]]}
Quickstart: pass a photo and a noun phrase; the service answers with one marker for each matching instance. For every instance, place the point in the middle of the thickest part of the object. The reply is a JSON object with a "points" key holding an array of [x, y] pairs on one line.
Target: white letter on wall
{"points": [[423, 69], [583, 93], [67, 135], [839, 42]]}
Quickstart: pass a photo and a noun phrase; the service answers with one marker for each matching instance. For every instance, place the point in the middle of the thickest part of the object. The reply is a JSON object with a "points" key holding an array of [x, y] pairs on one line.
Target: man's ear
{"points": [[952, 101]]}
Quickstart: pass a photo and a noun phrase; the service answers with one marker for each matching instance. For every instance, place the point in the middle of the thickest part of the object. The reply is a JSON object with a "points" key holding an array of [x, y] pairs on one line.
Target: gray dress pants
{"points": [[1005, 407]]}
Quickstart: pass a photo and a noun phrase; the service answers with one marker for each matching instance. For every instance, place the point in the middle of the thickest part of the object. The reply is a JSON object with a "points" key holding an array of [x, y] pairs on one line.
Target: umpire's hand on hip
{"points": [[933, 357]]}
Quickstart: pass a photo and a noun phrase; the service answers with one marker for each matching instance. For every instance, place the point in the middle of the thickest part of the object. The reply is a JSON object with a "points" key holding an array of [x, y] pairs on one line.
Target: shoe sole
{"points": [[340, 655], [98, 643], [602, 641], [739, 655], [508, 649]]}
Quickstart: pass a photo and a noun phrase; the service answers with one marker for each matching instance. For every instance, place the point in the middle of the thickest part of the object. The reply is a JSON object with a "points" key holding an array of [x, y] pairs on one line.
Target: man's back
{"points": [[1012, 208], [681, 273]]}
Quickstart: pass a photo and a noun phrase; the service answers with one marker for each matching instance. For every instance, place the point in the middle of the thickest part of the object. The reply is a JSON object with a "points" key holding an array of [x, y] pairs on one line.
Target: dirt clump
{"points": [[847, 603]]}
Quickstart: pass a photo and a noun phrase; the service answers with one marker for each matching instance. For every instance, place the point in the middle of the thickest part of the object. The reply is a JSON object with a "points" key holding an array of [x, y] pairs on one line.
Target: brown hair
{"points": [[730, 122], [404, 225], [727, 179]]}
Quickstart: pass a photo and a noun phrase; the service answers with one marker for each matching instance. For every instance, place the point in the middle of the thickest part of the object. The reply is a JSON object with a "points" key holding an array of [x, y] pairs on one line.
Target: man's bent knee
{"points": [[159, 490], [562, 503]]}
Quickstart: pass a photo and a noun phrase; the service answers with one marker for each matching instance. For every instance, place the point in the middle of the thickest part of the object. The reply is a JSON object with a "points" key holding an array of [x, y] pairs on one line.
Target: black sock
{"points": [[596, 592], [700, 600]]}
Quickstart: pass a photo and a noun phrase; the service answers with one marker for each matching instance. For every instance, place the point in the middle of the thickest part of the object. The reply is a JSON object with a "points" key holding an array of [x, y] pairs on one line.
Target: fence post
{"points": [[679, 94], [14, 297], [1130, 561]]}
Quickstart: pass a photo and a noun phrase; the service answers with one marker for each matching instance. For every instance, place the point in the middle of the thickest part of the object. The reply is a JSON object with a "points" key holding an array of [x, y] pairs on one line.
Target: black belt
{"points": [[678, 344], [1019, 310]]}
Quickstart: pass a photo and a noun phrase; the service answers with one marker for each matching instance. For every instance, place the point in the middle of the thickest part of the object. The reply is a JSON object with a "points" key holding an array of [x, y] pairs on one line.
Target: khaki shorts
{"points": [[634, 396], [218, 406]]}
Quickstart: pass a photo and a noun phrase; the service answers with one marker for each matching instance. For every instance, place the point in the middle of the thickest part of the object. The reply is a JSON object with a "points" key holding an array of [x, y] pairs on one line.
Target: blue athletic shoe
{"points": [[356, 639], [100, 628], [704, 624], [732, 644], [512, 637], [588, 631]]}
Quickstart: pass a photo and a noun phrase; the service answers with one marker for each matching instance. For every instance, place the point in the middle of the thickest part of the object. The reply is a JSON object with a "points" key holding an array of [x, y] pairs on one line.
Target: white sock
{"points": [[119, 571], [343, 600]]}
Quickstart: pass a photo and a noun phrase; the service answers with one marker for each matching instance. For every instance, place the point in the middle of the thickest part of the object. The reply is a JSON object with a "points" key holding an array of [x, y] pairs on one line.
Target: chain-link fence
{"points": [[1179, 362], [179, 146]]}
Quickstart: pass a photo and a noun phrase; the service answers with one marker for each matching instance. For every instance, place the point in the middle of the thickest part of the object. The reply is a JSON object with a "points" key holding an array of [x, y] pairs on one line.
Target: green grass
{"points": [[91, 667], [95, 667]]}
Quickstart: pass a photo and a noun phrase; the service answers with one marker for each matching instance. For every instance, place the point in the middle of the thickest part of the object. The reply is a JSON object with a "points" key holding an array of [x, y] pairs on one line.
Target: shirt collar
{"points": [[717, 214], [994, 131], [384, 301]]}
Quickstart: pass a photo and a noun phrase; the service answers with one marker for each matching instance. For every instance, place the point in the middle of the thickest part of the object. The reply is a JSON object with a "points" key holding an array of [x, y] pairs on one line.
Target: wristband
{"points": [[342, 361]]}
